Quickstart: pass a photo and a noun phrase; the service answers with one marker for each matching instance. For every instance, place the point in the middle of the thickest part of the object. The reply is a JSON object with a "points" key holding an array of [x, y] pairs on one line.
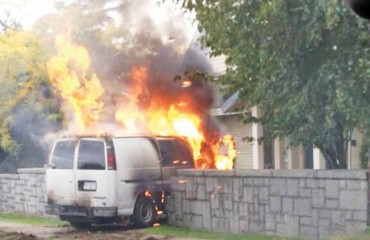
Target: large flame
{"points": [[68, 73], [140, 112]]}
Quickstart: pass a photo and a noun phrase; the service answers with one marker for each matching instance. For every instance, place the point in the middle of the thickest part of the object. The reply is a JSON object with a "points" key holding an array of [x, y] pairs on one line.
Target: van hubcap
{"points": [[145, 212]]}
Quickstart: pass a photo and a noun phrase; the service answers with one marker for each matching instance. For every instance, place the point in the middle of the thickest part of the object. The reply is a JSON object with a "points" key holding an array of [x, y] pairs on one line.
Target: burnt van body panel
{"points": [[138, 167]]}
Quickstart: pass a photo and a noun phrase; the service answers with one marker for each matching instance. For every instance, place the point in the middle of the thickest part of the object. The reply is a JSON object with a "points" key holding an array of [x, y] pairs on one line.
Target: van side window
{"points": [[175, 153], [63, 154], [91, 155]]}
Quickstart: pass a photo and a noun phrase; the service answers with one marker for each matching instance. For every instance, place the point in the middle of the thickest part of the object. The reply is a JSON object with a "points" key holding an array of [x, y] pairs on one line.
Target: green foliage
{"points": [[22, 77], [305, 64]]}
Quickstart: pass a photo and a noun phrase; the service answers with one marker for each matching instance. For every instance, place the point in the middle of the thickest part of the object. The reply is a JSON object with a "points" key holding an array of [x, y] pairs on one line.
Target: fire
{"points": [[141, 111], [68, 73]]}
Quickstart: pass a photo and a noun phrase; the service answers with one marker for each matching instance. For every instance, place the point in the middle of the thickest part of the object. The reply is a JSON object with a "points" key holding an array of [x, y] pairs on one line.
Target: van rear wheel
{"points": [[144, 212]]}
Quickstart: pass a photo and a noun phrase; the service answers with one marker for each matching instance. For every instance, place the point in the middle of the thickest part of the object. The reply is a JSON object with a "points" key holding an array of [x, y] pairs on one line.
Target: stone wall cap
{"points": [[343, 174], [221, 173], [31, 170], [190, 172], [9, 176], [254, 173], [295, 173]]}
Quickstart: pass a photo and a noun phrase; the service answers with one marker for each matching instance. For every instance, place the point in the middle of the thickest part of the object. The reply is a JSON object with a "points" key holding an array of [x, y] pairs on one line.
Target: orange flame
{"points": [[68, 73]]}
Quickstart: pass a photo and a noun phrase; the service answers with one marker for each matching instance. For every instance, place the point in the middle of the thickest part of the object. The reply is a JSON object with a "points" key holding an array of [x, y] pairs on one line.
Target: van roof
{"points": [[77, 136]]}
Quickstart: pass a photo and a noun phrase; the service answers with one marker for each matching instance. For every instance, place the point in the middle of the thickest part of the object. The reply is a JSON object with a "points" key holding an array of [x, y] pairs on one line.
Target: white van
{"points": [[95, 180]]}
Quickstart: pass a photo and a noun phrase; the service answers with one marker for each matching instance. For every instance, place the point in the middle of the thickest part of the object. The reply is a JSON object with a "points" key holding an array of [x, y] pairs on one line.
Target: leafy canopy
{"points": [[305, 65]]}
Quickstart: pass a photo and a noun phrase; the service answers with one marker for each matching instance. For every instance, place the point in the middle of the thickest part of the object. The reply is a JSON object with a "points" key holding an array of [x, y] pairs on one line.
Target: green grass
{"points": [[29, 219], [166, 230]]}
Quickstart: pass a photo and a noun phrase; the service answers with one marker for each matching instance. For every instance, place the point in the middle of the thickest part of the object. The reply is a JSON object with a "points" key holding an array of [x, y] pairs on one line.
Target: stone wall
{"points": [[23, 192], [299, 203]]}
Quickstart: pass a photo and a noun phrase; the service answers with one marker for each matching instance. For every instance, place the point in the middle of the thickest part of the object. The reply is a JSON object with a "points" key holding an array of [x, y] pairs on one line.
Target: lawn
{"points": [[167, 230], [33, 220]]}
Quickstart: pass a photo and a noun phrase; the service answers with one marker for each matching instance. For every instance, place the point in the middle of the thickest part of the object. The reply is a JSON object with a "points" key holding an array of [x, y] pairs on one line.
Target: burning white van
{"points": [[95, 180]]}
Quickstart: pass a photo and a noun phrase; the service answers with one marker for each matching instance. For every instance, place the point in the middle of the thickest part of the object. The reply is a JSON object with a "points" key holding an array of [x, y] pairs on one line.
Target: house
{"points": [[277, 154]]}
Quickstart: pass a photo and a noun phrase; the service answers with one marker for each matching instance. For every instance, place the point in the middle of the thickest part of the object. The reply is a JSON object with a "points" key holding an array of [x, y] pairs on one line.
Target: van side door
{"points": [[138, 169], [175, 154]]}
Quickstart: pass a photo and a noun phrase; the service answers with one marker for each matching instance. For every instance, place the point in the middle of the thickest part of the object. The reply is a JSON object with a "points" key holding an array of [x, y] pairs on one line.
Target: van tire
{"points": [[80, 225], [144, 212]]}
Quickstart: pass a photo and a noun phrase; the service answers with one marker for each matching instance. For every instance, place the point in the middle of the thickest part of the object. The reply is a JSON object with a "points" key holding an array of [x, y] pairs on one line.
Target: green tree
{"points": [[305, 64], [24, 94]]}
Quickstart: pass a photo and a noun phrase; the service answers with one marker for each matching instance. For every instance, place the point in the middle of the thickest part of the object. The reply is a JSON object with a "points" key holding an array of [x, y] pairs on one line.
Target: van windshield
{"points": [[91, 155], [63, 155]]}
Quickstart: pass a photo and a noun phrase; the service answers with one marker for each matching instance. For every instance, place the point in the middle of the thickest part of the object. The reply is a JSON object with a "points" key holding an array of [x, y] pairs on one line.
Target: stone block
{"points": [[258, 181], [359, 215], [226, 185], [305, 192], [270, 222], [227, 200], [234, 222], [287, 205], [309, 232], [220, 224], [186, 206], [281, 229], [278, 187], [238, 189], [248, 193], [201, 191], [339, 219], [243, 210], [275, 204], [292, 225], [263, 195], [255, 226], [293, 189], [248, 182], [331, 188], [197, 222], [324, 228], [355, 185], [355, 226], [210, 184], [312, 183], [305, 221], [190, 189], [303, 206], [302, 183], [187, 220], [244, 225], [353, 200], [318, 198], [325, 214], [331, 203]]}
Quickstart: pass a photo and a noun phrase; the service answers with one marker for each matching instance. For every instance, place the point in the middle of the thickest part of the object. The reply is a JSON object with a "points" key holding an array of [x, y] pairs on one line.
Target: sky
{"points": [[26, 11]]}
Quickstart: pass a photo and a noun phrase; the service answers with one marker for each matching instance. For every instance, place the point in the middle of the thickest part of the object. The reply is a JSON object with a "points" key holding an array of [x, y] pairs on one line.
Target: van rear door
{"points": [[60, 177], [94, 183]]}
